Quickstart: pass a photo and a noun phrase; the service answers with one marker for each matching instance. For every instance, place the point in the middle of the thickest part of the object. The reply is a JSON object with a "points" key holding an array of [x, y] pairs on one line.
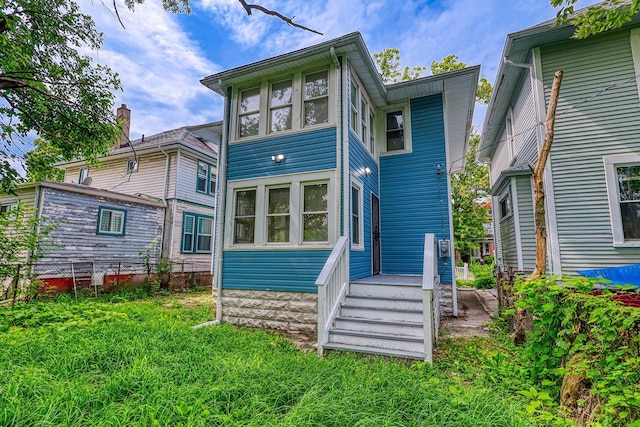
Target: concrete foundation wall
{"points": [[446, 302], [285, 311]]}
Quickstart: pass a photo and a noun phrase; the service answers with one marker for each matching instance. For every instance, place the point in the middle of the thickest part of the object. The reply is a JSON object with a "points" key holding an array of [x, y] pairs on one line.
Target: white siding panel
{"points": [[500, 160], [587, 128], [186, 184]]}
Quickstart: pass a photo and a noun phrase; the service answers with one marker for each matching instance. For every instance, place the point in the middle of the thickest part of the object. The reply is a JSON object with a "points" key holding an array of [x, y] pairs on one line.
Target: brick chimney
{"points": [[124, 118]]}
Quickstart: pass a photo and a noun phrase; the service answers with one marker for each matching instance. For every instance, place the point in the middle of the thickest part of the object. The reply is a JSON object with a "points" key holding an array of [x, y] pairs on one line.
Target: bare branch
{"points": [[115, 8], [289, 21]]}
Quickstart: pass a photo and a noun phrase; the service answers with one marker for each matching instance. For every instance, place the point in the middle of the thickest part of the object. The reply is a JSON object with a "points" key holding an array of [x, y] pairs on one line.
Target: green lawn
{"points": [[139, 363]]}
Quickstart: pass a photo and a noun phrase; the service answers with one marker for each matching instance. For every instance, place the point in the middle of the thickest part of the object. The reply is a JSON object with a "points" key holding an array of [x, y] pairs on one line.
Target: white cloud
{"points": [[159, 65]]}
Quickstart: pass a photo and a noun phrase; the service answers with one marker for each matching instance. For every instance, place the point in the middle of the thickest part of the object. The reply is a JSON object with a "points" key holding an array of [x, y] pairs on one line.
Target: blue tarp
{"points": [[623, 275]]}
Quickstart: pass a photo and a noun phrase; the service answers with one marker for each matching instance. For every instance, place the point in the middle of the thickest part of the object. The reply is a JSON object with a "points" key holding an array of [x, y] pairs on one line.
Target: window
{"points": [[271, 214], [281, 105], [245, 216], [84, 174], [354, 107], [8, 206], [364, 124], [357, 229], [395, 131], [372, 138], [111, 221], [316, 98], [315, 213], [249, 117], [505, 205], [278, 217], [197, 233], [623, 186], [132, 165], [206, 180]]}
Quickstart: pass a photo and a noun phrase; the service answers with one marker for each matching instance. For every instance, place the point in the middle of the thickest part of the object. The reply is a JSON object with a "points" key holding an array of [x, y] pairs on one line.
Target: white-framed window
{"points": [[244, 218], [397, 127], [249, 113], [362, 116], [282, 212], [354, 105], [111, 221], [316, 98], [206, 178], [281, 106], [278, 214], [83, 174], [622, 173], [505, 206], [197, 233], [132, 165], [290, 103], [357, 215]]}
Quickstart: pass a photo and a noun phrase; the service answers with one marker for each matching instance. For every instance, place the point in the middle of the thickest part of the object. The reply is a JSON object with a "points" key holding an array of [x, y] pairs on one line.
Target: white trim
{"points": [[295, 182], [362, 95], [553, 239], [634, 38], [516, 222], [451, 260], [405, 107], [615, 215], [357, 184]]}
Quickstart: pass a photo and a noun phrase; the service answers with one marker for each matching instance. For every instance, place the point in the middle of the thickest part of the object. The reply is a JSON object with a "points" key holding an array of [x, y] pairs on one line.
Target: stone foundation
{"points": [[446, 301], [284, 311]]}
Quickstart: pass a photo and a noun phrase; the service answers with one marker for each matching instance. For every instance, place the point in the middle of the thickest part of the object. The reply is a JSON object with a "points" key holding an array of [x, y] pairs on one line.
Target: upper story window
{"points": [[316, 98], [281, 105], [362, 118], [299, 101], [395, 130], [623, 188], [111, 221], [82, 175], [132, 165], [249, 116], [206, 179], [354, 107]]}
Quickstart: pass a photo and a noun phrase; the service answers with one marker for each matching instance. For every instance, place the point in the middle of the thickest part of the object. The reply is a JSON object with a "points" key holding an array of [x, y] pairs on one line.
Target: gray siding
{"points": [[508, 240], [526, 221], [588, 128], [76, 216], [186, 185]]}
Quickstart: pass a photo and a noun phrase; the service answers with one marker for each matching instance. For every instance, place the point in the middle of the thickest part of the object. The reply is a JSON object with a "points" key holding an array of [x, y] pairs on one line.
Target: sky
{"points": [[161, 57]]}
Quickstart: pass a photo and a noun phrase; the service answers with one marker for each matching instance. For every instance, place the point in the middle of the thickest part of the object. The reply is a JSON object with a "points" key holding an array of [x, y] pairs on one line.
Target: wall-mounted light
{"points": [[367, 171], [278, 158]]}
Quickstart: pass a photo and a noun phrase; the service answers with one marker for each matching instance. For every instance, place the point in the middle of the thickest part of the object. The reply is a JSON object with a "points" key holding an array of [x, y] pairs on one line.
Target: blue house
{"points": [[330, 184]]}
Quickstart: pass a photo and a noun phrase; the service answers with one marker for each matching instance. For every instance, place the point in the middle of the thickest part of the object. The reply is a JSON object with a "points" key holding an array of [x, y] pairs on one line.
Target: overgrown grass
{"points": [[140, 363]]}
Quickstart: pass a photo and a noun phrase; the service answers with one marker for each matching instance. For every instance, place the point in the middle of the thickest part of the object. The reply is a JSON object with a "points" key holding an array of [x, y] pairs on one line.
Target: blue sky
{"points": [[161, 57]]}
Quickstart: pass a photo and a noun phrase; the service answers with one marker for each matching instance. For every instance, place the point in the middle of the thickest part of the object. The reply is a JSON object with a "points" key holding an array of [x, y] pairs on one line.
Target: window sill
{"points": [[391, 153], [357, 248], [281, 133], [246, 248], [627, 244]]}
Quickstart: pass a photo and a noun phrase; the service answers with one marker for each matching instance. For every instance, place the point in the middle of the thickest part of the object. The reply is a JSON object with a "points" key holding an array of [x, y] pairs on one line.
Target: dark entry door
{"points": [[375, 232]]}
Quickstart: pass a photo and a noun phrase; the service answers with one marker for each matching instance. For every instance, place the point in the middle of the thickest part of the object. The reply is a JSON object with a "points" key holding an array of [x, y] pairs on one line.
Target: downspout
{"points": [[164, 198], [175, 199], [220, 203]]}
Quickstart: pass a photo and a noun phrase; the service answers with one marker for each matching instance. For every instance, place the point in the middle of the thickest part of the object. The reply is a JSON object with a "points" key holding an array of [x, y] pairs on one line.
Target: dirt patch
{"points": [[191, 300]]}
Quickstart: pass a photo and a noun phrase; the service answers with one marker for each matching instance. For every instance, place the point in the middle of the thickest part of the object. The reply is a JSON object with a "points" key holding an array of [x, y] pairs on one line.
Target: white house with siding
{"points": [[592, 178], [177, 168]]}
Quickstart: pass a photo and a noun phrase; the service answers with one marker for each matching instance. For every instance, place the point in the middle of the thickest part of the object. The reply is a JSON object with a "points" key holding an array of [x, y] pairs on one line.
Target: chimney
{"points": [[124, 120]]}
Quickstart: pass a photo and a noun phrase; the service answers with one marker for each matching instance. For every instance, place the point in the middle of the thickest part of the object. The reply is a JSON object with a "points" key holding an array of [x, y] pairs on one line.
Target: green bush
{"points": [[577, 332], [484, 282]]}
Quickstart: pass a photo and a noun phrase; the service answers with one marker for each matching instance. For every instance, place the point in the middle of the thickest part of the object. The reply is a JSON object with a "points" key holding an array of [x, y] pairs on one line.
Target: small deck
{"points": [[391, 279]]}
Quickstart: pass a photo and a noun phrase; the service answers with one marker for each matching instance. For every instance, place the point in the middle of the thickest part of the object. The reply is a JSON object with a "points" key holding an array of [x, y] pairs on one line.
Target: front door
{"points": [[375, 233]]}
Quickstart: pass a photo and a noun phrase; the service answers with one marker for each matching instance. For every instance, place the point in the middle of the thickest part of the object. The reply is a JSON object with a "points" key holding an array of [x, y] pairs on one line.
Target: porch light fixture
{"points": [[278, 158], [367, 171]]}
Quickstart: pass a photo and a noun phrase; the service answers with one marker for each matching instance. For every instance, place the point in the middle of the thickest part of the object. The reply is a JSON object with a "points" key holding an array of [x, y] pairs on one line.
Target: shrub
{"points": [[484, 282]]}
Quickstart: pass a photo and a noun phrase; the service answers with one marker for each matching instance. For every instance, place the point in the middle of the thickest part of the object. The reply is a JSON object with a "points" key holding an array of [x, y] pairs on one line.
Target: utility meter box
{"points": [[444, 248]]}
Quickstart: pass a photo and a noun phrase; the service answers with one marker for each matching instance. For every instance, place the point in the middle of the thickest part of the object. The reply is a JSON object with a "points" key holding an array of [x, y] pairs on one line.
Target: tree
{"points": [[48, 86], [388, 61], [469, 201], [608, 15], [40, 161]]}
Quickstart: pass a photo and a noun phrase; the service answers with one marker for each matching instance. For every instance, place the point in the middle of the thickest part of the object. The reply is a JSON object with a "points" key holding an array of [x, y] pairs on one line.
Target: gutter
{"points": [[221, 198]]}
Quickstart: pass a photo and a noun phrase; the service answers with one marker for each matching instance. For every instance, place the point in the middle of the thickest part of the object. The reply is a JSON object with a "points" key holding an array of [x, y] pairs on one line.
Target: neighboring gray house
{"points": [[592, 179]]}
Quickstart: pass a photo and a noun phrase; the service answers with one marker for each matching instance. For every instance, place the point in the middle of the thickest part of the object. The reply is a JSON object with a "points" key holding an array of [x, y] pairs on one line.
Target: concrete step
{"points": [[391, 303], [390, 328], [376, 340], [378, 351], [393, 291], [382, 313]]}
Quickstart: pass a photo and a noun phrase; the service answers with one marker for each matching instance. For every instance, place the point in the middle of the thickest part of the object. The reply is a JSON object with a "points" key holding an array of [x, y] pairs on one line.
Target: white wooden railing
{"points": [[332, 284], [430, 296], [462, 273]]}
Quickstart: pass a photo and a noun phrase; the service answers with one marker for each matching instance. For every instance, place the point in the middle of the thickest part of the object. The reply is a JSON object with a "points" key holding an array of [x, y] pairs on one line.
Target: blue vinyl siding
{"points": [[303, 151], [293, 271], [413, 196], [359, 158]]}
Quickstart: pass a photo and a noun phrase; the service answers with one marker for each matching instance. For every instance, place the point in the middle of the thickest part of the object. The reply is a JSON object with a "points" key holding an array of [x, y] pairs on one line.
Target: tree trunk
{"points": [[538, 181]]}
